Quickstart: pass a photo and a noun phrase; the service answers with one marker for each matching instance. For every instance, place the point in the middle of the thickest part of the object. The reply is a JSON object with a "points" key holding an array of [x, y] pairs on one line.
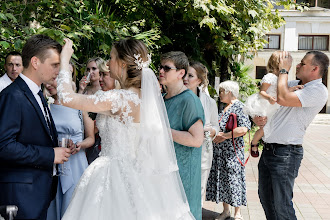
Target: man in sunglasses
{"points": [[282, 154]]}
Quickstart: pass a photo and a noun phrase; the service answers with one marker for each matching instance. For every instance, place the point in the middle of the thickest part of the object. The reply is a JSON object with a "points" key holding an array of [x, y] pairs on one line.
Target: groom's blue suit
{"points": [[26, 153]]}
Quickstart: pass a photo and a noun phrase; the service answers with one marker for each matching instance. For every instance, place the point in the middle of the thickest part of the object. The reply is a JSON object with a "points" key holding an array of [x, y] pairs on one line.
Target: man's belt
{"points": [[270, 146]]}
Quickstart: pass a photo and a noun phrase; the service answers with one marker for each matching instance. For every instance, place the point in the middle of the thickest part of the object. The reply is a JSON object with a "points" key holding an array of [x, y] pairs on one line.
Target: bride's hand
{"points": [[67, 51]]}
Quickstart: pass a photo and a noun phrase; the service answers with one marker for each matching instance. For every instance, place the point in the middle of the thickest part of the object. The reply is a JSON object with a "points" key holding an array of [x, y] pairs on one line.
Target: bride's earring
{"points": [[122, 73]]}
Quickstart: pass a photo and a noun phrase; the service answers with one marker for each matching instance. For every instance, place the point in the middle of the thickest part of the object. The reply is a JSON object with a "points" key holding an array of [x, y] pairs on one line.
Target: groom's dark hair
{"points": [[38, 46]]}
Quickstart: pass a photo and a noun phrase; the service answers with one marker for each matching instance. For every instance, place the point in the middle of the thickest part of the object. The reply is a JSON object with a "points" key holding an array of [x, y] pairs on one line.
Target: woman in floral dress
{"points": [[226, 181]]}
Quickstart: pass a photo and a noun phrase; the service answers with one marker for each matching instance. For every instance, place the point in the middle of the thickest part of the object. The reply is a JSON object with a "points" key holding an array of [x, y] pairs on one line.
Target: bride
{"points": [[136, 175]]}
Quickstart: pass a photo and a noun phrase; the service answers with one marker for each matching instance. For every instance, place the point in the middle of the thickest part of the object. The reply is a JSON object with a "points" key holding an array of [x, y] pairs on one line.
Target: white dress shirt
{"points": [[34, 89], [4, 81], [289, 124]]}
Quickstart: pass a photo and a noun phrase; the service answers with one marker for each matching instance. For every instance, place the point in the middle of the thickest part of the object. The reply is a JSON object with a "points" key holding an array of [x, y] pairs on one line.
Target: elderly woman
{"points": [[226, 181], [196, 81]]}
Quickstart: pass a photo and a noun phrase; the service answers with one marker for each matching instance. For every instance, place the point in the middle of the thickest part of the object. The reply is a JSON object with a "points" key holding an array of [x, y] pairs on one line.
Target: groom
{"points": [[28, 138]]}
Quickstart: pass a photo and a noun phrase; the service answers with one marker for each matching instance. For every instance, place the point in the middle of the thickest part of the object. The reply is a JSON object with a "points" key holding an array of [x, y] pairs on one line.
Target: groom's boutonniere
{"points": [[50, 100]]}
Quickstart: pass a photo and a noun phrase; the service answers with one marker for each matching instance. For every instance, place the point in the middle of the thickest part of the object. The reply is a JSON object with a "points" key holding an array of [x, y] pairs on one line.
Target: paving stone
{"points": [[311, 197]]}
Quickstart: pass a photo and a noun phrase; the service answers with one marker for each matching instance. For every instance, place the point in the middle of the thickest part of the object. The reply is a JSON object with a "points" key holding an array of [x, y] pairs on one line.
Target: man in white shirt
{"points": [[13, 67], [280, 160]]}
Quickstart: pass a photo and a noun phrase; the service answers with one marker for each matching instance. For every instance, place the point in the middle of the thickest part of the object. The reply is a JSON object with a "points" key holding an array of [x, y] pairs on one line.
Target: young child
{"points": [[264, 102]]}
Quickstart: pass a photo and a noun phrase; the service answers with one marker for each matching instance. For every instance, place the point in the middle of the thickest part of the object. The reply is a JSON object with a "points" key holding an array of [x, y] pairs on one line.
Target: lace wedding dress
{"points": [[136, 175]]}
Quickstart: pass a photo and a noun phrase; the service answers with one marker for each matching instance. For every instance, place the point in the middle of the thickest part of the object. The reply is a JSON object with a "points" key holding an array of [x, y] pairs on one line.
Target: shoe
{"points": [[223, 216], [254, 153], [238, 217]]}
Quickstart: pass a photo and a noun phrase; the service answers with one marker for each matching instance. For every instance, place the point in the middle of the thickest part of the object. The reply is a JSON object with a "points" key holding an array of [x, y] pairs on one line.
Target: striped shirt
{"points": [[289, 124]]}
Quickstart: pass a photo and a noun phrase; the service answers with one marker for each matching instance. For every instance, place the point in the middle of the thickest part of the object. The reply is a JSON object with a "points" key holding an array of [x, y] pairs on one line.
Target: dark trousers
{"points": [[278, 167]]}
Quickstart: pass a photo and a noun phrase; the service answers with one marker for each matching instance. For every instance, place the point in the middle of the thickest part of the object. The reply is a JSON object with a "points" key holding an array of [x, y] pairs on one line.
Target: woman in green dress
{"points": [[186, 117]]}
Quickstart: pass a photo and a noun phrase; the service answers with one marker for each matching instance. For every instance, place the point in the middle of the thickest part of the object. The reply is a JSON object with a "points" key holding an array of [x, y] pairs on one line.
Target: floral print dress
{"points": [[226, 181]]}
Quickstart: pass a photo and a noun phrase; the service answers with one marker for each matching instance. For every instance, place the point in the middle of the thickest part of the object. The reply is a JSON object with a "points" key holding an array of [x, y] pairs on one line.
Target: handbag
{"points": [[232, 122], [230, 126]]}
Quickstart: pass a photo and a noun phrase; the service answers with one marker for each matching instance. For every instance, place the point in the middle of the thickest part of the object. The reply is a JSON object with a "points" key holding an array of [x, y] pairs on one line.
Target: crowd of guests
{"points": [[209, 160]]}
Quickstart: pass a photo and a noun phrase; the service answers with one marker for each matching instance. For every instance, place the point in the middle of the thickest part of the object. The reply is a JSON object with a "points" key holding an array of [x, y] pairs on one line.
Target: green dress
{"points": [[183, 111]]}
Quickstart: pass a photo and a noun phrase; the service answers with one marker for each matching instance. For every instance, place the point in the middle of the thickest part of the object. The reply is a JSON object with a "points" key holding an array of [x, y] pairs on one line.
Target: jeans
{"points": [[278, 167]]}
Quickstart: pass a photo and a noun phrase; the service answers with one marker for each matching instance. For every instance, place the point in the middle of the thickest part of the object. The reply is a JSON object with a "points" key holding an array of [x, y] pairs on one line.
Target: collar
{"points": [[315, 81], [6, 78], [32, 85]]}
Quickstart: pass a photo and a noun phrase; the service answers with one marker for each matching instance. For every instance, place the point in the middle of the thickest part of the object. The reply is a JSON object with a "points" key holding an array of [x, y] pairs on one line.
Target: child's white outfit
{"points": [[257, 105]]}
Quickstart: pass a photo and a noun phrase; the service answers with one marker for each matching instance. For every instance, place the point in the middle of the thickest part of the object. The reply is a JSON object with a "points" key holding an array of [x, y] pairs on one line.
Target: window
{"points": [[316, 3], [260, 72], [323, 3], [313, 42], [310, 2], [273, 41]]}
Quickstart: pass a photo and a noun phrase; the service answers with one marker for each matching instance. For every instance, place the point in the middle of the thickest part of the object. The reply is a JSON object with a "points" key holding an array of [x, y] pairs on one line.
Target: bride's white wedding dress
{"points": [[136, 175]]}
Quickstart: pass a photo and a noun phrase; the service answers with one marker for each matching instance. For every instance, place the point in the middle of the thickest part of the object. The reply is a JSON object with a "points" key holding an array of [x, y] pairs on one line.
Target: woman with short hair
{"points": [[186, 117], [226, 181]]}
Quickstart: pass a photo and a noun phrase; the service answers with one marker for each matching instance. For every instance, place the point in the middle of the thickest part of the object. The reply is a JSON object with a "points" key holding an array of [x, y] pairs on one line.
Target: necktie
{"points": [[46, 110]]}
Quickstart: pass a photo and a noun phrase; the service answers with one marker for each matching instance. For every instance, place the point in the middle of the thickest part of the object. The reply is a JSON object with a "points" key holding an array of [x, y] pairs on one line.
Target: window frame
{"points": [[279, 42], [316, 3], [318, 35]]}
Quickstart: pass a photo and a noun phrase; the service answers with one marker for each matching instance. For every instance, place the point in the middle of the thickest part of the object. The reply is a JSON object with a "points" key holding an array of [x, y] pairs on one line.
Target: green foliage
{"points": [[91, 25], [215, 32], [247, 85], [213, 93]]}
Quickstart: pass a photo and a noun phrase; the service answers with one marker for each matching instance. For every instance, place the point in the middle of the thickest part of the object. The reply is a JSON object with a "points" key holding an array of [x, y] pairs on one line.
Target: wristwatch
{"points": [[283, 71]]}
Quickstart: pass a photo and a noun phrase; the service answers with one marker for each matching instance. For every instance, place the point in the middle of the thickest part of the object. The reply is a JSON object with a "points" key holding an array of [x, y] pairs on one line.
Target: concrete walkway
{"points": [[312, 186]]}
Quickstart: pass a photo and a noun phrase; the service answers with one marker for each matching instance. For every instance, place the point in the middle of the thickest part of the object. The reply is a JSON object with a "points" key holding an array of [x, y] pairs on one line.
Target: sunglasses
{"points": [[166, 68]]}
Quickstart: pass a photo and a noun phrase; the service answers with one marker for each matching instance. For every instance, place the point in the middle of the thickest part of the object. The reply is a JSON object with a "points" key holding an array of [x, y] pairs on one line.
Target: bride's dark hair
{"points": [[126, 49]]}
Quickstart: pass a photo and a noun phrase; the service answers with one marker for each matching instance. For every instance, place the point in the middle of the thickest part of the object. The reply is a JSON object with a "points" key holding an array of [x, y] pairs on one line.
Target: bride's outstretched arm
{"points": [[92, 103]]}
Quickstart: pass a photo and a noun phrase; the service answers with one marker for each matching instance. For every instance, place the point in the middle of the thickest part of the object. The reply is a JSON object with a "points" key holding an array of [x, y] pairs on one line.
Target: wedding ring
{"points": [[286, 57]]}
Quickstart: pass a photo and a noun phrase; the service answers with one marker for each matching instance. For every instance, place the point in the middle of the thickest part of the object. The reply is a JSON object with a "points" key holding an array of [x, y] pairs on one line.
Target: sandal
{"points": [[254, 153], [238, 217], [223, 216]]}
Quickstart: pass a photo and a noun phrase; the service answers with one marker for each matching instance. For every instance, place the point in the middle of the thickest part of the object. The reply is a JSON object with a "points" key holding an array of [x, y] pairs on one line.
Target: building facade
{"points": [[303, 31]]}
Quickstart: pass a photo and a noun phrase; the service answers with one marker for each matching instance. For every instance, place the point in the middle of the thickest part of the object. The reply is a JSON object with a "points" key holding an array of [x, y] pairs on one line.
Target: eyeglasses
{"points": [[166, 68]]}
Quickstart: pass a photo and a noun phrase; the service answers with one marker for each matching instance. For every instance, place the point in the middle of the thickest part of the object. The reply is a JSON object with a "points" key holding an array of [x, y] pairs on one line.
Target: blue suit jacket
{"points": [[26, 153]]}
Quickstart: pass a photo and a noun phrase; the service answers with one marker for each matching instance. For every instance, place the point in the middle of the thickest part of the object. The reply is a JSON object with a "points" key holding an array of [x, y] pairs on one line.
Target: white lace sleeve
{"points": [[269, 78], [110, 102]]}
